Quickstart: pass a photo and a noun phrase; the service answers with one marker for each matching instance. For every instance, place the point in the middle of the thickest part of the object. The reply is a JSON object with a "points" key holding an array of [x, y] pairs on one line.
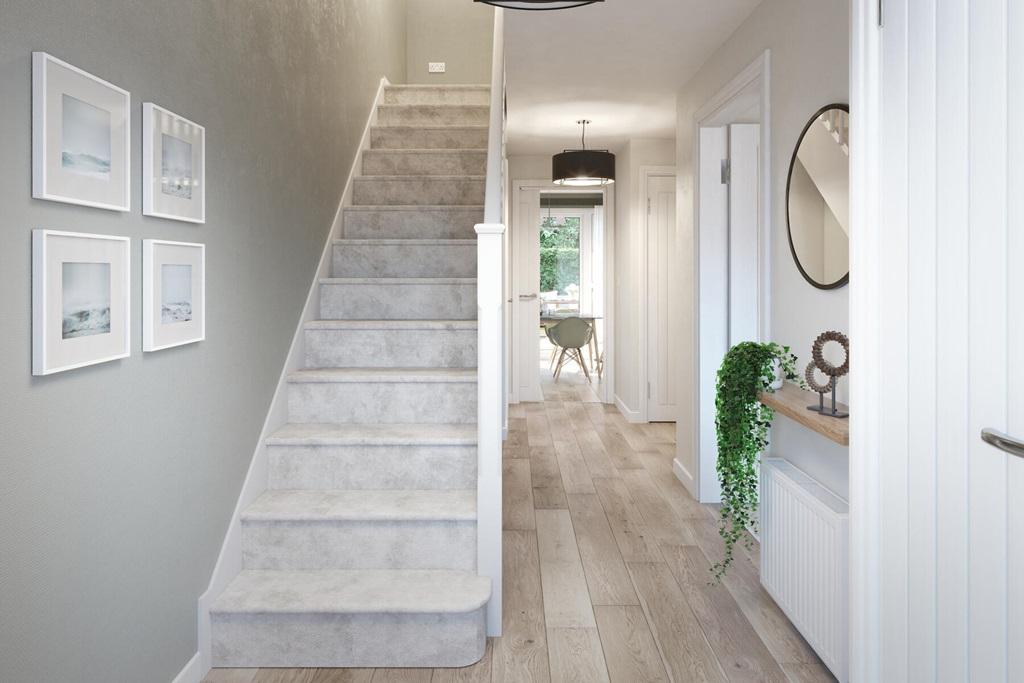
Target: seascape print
{"points": [[175, 293], [176, 167], [85, 139], [85, 299]]}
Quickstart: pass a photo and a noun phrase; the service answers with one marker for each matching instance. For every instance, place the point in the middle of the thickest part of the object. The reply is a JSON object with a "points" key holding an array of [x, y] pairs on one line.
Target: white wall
{"points": [[809, 43], [456, 32], [630, 292]]}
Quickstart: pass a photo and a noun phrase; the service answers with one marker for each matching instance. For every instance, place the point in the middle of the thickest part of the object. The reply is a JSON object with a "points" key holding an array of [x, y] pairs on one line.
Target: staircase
{"points": [[363, 550]]}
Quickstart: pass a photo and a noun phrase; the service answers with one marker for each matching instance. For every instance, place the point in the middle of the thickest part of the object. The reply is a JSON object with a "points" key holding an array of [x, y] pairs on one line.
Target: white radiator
{"points": [[804, 558]]}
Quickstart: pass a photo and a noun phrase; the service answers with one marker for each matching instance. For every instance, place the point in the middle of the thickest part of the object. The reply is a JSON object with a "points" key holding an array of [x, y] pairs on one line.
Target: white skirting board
{"points": [[229, 562], [805, 558]]}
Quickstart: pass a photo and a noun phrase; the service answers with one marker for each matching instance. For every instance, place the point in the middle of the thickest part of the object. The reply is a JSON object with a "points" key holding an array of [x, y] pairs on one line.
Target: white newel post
{"points": [[490, 403]]}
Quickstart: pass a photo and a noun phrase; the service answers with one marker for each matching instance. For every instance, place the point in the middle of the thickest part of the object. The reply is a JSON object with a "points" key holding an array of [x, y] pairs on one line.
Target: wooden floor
{"points": [[606, 568]]}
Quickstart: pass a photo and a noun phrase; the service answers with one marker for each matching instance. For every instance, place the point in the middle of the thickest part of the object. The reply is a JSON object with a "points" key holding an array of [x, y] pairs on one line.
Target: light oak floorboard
{"points": [[659, 516], [517, 496], [635, 540], [629, 648], [285, 676], [738, 647], [594, 453], [606, 573], [343, 676], [548, 492], [575, 474], [521, 654], [681, 641], [566, 597], [576, 656]]}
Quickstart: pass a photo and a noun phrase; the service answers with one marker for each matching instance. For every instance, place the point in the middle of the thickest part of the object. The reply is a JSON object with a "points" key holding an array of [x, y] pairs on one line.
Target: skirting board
{"points": [[633, 416], [684, 477], [193, 671], [229, 562]]}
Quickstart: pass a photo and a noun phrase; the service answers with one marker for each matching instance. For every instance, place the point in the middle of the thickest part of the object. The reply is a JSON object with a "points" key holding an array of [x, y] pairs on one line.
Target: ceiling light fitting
{"points": [[583, 167], [538, 4]]}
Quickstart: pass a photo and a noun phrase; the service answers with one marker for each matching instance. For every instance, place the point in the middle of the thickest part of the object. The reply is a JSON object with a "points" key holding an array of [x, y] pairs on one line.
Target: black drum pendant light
{"points": [[583, 167], [539, 4]]}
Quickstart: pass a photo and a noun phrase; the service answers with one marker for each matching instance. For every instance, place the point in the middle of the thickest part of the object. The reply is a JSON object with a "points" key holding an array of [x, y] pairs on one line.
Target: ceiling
{"points": [[618, 63]]}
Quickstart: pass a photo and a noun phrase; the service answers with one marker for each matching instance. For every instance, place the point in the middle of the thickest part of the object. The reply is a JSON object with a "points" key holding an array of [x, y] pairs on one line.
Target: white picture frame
{"points": [[173, 166], [81, 300], [81, 137], [173, 294]]}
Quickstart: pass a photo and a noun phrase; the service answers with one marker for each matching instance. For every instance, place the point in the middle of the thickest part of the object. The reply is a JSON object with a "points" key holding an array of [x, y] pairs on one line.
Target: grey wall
{"points": [[117, 481], [809, 42], [457, 32]]}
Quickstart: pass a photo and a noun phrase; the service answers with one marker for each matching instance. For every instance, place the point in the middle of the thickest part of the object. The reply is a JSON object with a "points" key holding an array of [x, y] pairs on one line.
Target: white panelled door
{"points": [[744, 232], [662, 325], [526, 298], [937, 317]]}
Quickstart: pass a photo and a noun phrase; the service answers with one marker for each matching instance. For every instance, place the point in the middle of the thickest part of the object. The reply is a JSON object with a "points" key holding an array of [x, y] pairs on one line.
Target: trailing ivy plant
{"points": [[742, 422]]}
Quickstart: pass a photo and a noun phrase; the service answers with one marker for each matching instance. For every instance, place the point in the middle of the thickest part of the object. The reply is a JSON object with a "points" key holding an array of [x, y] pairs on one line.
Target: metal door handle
{"points": [[1003, 442], [527, 297]]}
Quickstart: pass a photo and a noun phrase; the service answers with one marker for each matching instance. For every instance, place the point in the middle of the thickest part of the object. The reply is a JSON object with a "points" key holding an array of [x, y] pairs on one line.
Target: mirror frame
{"points": [[789, 179]]}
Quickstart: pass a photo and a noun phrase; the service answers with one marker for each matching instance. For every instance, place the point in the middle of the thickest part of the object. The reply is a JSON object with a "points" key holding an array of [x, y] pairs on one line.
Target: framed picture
{"points": [[173, 166], [81, 136], [173, 294], [81, 291]]}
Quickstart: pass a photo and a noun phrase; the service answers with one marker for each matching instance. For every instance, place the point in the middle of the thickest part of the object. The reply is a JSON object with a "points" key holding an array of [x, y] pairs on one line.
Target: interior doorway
{"points": [[561, 260], [732, 210]]}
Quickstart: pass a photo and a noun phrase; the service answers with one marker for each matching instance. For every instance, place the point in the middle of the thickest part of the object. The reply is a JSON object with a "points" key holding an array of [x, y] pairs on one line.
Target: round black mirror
{"points": [[818, 198]]}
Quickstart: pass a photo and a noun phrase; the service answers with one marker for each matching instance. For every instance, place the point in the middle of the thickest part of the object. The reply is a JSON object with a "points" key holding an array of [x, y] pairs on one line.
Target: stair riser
{"points": [[383, 402], [391, 348], [435, 95], [433, 115], [383, 191], [428, 138], [348, 640], [404, 260], [420, 301], [394, 224], [359, 545], [372, 468], [377, 162]]}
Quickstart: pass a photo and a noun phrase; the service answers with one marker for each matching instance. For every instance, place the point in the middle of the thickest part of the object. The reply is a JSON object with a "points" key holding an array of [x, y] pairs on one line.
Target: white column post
{"points": [[490, 402]]}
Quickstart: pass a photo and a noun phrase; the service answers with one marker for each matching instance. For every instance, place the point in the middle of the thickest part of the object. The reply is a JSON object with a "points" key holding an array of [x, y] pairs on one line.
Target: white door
{"points": [[936, 282], [526, 297], [662, 328], [744, 231]]}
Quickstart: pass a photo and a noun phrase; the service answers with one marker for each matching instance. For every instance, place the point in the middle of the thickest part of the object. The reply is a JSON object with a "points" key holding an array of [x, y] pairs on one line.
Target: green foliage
{"points": [[559, 254], [742, 422]]}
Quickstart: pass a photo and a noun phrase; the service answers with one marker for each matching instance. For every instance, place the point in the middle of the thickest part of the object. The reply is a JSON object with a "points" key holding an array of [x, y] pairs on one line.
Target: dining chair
{"points": [[571, 335]]}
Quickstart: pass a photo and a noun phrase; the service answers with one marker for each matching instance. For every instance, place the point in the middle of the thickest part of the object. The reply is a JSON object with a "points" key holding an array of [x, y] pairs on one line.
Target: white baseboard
{"points": [[634, 416], [684, 476], [229, 562], [193, 671]]}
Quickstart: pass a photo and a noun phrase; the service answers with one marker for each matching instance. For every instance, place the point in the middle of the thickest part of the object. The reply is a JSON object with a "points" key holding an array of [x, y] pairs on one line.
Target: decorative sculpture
{"points": [[833, 372]]}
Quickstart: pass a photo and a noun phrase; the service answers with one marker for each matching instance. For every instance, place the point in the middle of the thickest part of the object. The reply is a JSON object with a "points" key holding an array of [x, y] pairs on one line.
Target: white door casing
{"points": [[525, 295]]}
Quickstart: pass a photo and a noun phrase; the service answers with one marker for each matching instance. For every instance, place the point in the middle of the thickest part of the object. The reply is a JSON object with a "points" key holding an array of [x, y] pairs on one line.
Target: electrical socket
{"points": [[435, 67]]}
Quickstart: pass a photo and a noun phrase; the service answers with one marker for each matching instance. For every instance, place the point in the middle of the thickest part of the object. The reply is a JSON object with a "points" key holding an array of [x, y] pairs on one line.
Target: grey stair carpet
{"points": [[362, 552]]}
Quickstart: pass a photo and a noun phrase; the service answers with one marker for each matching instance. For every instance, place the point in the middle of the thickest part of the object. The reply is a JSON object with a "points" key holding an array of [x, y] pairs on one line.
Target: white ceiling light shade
{"points": [[583, 167], [538, 4]]}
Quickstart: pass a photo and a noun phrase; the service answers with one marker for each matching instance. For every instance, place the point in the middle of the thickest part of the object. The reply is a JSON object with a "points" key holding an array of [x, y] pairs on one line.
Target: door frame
{"points": [[608, 343], [756, 75], [646, 173]]}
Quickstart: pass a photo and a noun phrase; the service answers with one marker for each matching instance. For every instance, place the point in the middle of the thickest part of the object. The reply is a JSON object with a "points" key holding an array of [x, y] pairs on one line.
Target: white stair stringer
{"points": [[362, 552]]}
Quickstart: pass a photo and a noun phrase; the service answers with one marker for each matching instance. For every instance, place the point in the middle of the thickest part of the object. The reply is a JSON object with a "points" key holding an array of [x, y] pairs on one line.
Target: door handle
{"points": [[1003, 442], [527, 297]]}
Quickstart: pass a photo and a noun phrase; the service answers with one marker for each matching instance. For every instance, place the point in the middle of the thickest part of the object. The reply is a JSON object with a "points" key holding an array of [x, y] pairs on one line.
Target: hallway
{"points": [[606, 568]]}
